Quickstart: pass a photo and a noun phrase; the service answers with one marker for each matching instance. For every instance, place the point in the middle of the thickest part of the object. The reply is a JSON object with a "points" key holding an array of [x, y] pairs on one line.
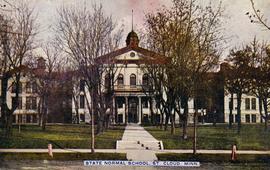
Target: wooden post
{"points": [[50, 151], [233, 155]]}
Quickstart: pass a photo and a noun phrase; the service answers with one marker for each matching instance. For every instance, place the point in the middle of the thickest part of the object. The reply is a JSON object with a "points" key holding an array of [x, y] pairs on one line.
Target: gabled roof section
{"points": [[148, 56]]}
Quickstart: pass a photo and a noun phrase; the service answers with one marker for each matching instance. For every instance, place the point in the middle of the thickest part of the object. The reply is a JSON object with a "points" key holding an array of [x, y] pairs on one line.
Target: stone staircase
{"points": [[139, 145]]}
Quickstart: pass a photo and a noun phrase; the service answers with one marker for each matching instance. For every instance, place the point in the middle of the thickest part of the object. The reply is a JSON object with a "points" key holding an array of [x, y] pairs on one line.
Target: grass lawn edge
{"points": [[62, 156], [216, 158]]}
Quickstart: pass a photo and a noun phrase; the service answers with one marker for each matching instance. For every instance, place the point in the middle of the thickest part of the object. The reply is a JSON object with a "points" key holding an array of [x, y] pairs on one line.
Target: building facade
{"points": [[29, 100], [249, 109], [132, 100]]}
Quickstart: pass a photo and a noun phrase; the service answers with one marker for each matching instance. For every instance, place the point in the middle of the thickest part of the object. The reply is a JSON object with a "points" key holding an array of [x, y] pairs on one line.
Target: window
{"points": [[20, 119], [34, 119], [28, 118], [253, 118], [247, 103], [132, 80], [28, 87], [253, 103], [247, 118], [31, 103], [82, 84], [34, 87], [82, 103], [31, 87], [13, 88], [19, 106], [145, 80], [120, 79], [132, 54]]}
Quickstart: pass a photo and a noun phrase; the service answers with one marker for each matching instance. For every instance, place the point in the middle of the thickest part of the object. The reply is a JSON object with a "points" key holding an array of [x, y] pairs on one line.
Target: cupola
{"points": [[132, 39]]}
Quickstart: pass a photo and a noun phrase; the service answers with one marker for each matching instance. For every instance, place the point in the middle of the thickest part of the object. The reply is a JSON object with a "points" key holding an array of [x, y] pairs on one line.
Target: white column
{"points": [[140, 110]]}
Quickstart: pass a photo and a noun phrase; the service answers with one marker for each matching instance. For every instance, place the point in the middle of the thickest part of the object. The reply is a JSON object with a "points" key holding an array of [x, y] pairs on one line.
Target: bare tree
{"points": [[260, 71], [257, 16], [48, 78], [85, 35], [188, 35], [17, 35]]}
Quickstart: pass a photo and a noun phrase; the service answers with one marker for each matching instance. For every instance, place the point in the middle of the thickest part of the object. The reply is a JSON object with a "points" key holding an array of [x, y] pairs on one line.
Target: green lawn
{"points": [[61, 136], [217, 158], [62, 156], [252, 137]]}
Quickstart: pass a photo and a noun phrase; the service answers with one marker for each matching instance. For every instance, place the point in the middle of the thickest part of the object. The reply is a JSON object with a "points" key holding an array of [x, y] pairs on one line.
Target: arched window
{"points": [[145, 80], [120, 80], [28, 87], [132, 80]]}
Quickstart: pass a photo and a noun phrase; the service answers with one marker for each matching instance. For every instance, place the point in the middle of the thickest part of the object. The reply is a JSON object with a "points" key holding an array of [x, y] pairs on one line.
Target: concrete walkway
{"points": [[139, 144], [253, 152]]}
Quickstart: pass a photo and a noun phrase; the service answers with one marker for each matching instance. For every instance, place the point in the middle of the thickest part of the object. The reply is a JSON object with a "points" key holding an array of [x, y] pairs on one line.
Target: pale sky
{"points": [[237, 25]]}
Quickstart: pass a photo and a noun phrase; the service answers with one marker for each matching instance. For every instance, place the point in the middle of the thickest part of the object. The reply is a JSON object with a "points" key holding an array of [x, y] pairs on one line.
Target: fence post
{"points": [[50, 151], [233, 155]]}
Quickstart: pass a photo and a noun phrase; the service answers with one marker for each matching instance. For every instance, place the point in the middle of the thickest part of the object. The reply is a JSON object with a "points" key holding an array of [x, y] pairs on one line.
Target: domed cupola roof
{"points": [[132, 39]]}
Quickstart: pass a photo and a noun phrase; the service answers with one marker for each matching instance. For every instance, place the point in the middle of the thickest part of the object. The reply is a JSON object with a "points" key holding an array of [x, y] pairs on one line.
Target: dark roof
{"points": [[147, 54], [132, 36]]}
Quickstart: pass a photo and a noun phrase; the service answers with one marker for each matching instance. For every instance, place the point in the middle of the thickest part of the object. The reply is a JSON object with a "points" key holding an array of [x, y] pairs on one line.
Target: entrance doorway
{"points": [[132, 110]]}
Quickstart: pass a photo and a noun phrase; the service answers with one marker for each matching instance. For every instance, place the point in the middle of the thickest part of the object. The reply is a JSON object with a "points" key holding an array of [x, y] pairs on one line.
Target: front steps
{"points": [[139, 145]]}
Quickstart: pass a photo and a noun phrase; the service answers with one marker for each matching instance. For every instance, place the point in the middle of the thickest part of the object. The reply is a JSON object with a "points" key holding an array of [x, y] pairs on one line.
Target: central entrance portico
{"points": [[128, 109]]}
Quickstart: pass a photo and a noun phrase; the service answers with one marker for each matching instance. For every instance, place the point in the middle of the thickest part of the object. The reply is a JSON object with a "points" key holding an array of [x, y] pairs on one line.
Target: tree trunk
{"points": [[265, 106], [166, 122], [5, 111], [44, 113], [39, 113], [8, 125], [76, 108], [195, 132], [44, 121], [92, 125], [185, 118], [4, 86], [153, 117], [195, 126], [162, 120], [99, 124], [239, 101], [260, 108], [172, 124], [231, 109]]}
